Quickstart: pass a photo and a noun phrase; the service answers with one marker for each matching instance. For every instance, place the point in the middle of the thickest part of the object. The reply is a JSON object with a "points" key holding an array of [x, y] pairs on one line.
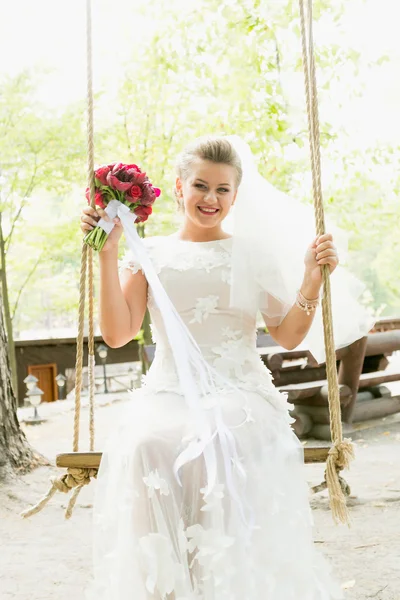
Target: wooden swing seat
{"points": [[91, 460]]}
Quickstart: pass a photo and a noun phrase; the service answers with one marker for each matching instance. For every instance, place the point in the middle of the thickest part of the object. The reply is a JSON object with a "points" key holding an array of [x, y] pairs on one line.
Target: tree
{"points": [[41, 149], [16, 455], [226, 70]]}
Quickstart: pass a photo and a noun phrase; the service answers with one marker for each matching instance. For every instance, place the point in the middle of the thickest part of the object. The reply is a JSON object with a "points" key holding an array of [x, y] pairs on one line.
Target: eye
{"points": [[223, 190], [199, 185]]}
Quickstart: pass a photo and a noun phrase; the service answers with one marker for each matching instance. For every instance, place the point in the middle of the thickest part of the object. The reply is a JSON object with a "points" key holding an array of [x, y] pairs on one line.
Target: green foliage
{"points": [[213, 67]]}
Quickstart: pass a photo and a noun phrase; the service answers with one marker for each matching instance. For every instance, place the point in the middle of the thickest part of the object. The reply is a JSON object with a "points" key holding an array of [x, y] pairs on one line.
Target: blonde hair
{"points": [[216, 149]]}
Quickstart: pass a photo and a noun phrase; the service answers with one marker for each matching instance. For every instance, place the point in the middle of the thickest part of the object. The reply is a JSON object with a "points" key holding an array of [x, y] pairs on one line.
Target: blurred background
{"points": [[165, 73]]}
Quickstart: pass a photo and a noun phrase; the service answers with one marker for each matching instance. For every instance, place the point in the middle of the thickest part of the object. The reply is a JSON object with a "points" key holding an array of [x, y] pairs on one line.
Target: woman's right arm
{"points": [[122, 301]]}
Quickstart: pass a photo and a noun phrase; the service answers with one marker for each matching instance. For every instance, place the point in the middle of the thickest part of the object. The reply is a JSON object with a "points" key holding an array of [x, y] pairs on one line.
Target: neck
{"points": [[190, 232]]}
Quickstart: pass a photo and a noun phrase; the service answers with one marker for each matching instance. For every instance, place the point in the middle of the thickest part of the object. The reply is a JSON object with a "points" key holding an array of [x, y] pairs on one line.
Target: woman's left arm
{"points": [[296, 324]]}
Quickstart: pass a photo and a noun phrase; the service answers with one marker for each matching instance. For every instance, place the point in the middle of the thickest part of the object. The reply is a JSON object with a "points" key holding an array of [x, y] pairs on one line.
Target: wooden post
{"points": [[349, 374]]}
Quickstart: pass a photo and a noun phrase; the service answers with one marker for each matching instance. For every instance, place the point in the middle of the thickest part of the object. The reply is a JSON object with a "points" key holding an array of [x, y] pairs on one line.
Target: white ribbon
{"points": [[189, 361]]}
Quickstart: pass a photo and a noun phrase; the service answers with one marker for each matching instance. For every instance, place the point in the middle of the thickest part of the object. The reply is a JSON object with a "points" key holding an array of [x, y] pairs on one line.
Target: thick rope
{"points": [[342, 451], [74, 479], [91, 185], [91, 355], [79, 348]]}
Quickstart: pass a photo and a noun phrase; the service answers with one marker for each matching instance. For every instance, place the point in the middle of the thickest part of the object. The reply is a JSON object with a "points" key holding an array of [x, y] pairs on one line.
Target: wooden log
{"points": [[384, 342], [318, 414], [365, 395], [303, 423], [286, 354], [321, 397], [290, 377], [306, 390], [386, 323], [376, 408], [301, 390], [368, 407], [373, 379], [273, 361], [321, 432], [380, 391]]}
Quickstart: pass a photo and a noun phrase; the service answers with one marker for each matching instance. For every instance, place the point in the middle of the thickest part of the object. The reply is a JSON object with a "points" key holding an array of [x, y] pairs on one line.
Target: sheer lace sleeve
{"points": [[272, 309], [128, 261]]}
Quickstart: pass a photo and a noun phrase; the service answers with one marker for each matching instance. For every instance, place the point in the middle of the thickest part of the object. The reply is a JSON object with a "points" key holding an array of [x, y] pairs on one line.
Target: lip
{"points": [[207, 210]]}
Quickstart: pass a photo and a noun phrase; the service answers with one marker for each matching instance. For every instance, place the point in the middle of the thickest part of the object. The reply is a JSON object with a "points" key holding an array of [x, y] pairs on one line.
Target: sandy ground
{"points": [[47, 557]]}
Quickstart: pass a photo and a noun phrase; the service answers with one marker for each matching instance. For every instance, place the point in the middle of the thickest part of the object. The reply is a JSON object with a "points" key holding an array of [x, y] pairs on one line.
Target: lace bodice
{"points": [[196, 276]]}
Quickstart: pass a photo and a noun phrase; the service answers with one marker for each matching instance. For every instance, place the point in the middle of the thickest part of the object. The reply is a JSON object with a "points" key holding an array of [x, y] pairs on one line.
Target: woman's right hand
{"points": [[89, 218]]}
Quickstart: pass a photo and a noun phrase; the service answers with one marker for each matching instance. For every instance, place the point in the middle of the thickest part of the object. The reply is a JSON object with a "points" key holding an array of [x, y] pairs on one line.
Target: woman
{"points": [[243, 532]]}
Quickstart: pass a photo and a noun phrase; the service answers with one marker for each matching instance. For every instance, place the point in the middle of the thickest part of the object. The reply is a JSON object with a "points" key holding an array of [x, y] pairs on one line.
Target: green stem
{"points": [[96, 238]]}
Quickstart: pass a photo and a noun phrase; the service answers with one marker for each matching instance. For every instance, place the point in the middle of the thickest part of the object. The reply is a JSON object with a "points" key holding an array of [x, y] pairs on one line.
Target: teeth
{"points": [[209, 210]]}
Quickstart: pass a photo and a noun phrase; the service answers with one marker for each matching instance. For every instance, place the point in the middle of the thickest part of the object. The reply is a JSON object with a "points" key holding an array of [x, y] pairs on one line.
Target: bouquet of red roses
{"points": [[127, 184]]}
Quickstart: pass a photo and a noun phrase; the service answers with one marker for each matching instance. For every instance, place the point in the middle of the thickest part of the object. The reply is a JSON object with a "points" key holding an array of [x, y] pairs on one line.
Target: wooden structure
{"points": [[37, 356], [362, 375]]}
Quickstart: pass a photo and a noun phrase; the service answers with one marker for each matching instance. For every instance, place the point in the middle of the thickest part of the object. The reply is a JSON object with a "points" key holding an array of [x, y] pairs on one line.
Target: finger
{"points": [[90, 211], [324, 245], [324, 238], [325, 253], [103, 214], [86, 227], [88, 219], [331, 260]]}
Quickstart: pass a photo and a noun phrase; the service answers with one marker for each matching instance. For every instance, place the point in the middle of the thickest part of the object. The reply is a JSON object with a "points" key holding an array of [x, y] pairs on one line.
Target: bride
{"points": [[175, 519]]}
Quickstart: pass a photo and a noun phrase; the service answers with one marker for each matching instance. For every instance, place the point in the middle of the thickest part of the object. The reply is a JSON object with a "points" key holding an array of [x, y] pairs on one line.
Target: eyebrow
{"points": [[202, 180]]}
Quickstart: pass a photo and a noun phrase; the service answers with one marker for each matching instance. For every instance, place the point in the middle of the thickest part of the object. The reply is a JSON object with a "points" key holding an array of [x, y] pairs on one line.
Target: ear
{"points": [[178, 186]]}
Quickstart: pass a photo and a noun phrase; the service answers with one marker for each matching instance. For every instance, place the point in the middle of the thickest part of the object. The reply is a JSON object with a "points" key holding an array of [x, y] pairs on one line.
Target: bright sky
{"points": [[51, 33]]}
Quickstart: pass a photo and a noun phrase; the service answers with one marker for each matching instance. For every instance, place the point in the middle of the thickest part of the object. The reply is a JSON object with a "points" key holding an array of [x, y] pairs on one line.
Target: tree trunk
{"points": [[16, 455], [7, 313]]}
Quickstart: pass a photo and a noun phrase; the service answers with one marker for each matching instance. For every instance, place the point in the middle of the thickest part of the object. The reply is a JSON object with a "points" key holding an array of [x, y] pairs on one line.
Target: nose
{"points": [[210, 197]]}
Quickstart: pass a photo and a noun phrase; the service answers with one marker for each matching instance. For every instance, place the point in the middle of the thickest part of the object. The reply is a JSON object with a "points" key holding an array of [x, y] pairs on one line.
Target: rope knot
{"points": [[74, 479], [341, 453]]}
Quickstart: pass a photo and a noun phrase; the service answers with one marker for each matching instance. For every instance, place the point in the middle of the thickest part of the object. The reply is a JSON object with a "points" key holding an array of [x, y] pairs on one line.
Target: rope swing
{"points": [[82, 467], [342, 451], [77, 478]]}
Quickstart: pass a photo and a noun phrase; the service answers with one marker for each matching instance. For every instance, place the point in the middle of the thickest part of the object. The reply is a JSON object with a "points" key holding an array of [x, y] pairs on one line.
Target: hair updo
{"points": [[216, 149]]}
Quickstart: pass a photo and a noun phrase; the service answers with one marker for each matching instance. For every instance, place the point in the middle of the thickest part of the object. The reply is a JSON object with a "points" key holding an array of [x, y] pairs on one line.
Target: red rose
{"points": [[157, 192], [142, 213], [149, 195], [98, 198], [101, 174], [133, 168], [117, 167], [139, 178], [114, 182], [135, 192]]}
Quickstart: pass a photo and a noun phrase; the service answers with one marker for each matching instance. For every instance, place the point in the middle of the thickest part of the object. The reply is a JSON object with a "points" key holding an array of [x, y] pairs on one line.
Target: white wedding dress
{"points": [[155, 539]]}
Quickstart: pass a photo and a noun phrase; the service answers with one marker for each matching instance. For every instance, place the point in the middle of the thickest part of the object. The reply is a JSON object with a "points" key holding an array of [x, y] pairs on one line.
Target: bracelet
{"points": [[305, 304]]}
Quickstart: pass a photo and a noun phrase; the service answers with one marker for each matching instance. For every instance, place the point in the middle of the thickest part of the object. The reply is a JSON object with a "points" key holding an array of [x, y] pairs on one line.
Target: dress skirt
{"points": [[155, 539]]}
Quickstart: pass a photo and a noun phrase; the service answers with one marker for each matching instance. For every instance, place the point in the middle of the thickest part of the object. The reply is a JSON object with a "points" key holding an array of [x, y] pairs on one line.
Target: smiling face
{"points": [[207, 193]]}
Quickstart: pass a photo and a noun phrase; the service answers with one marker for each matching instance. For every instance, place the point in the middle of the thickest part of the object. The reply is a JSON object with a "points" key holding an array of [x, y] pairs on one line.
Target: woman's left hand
{"points": [[321, 252]]}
